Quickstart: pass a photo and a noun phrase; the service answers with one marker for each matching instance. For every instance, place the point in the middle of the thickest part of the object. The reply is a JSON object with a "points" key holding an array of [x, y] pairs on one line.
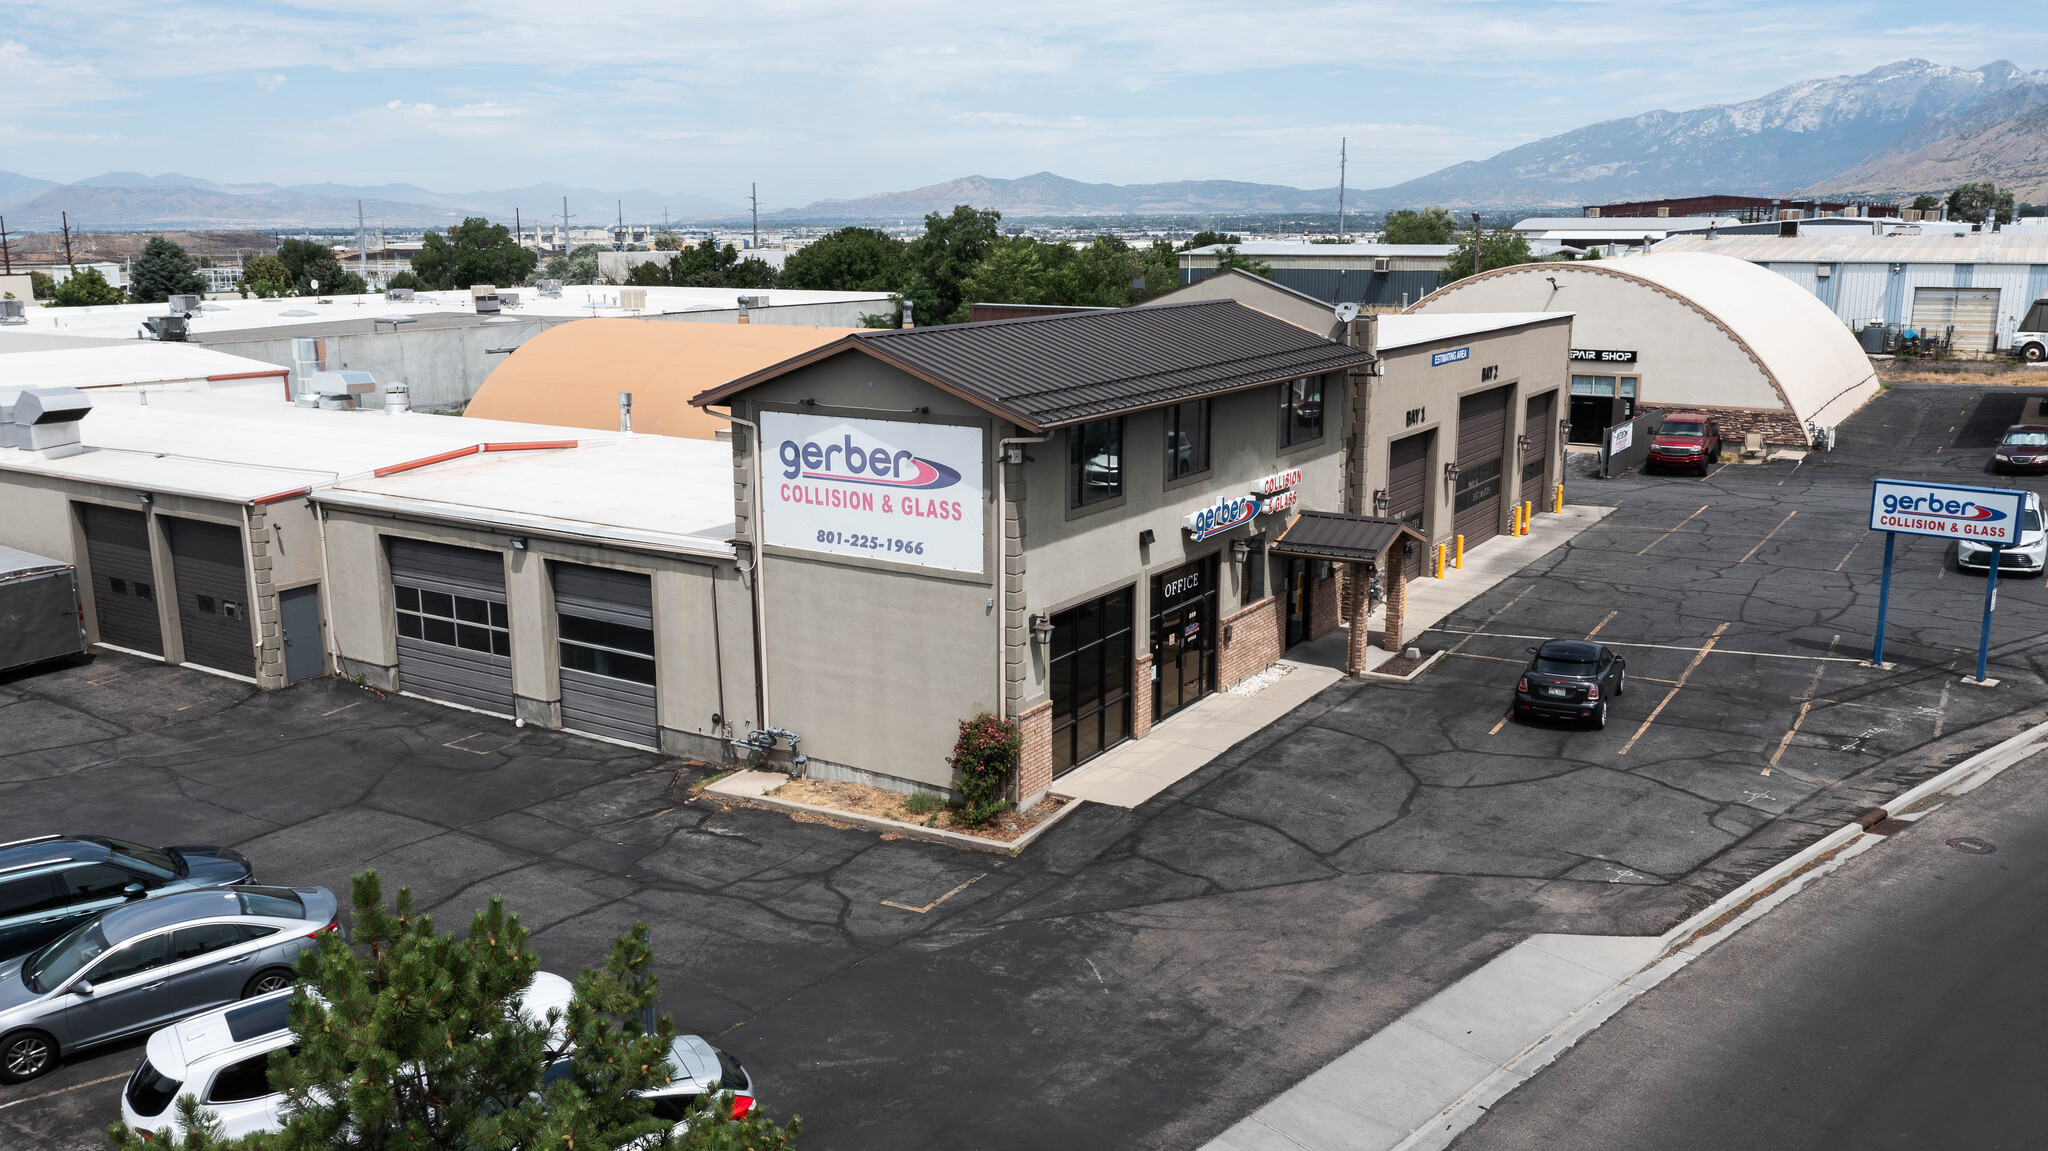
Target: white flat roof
{"points": [[119, 365], [661, 491], [236, 449], [123, 321], [1624, 223], [1403, 331], [1304, 248]]}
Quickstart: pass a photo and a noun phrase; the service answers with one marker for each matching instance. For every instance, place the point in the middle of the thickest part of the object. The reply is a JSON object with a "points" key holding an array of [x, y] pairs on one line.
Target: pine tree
{"points": [[164, 270]]}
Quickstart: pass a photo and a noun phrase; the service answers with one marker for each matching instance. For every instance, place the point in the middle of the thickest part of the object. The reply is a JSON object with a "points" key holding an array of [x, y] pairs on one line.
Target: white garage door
{"points": [[1973, 312]]}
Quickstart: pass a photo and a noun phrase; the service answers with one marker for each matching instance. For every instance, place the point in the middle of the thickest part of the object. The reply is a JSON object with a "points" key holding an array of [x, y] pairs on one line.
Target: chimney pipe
{"points": [[626, 398], [909, 320], [743, 310]]}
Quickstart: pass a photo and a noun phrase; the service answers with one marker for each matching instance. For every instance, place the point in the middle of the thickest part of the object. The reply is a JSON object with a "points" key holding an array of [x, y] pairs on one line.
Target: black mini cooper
{"points": [[1571, 679]]}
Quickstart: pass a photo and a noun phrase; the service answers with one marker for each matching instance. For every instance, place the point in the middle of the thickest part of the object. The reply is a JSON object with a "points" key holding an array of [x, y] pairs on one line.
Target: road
{"points": [[1138, 978], [1897, 1003]]}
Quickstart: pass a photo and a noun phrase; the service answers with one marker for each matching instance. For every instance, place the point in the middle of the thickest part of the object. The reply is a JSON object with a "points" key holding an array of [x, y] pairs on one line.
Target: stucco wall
{"points": [[1684, 358]]}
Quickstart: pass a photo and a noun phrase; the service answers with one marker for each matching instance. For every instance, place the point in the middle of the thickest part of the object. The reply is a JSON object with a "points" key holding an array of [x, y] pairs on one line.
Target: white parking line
{"points": [[1660, 646], [62, 1090]]}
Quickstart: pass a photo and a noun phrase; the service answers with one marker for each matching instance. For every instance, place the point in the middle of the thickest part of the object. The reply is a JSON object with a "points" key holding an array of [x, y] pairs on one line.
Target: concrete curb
{"points": [[912, 830], [1412, 676]]}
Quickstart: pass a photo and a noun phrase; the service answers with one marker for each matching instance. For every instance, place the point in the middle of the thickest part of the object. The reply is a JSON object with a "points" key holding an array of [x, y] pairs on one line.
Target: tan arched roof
{"points": [[572, 374], [1802, 347]]}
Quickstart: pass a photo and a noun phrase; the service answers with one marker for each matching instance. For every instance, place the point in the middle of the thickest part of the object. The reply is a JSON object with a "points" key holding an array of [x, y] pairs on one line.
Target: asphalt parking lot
{"points": [[1137, 978]]}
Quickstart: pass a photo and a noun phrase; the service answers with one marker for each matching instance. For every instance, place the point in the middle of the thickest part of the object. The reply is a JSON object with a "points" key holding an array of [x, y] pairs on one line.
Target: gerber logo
{"points": [[1965, 511], [848, 462]]}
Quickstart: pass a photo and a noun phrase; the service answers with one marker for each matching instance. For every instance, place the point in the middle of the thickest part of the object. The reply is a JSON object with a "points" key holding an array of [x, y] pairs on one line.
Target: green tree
{"points": [[1926, 203], [475, 251], [1500, 248], [163, 270], [85, 289], [941, 260], [578, 267], [848, 260], [1432, 225], [1978, 201], [1229, 258], [1207, 239], [267, 277], [709, 266], [649, 273], [668, 241], [41, 286], [405, 280], [310, 260]]}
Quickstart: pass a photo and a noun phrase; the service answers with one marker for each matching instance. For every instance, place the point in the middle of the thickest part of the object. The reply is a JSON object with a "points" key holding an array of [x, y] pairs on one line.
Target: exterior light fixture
{"points": [[1146, 538], [1381, 501], [1451, 470], [518, 543], [1564, 427], [144, 497], [1041, 628], [1525, 441], [1240, 550]]}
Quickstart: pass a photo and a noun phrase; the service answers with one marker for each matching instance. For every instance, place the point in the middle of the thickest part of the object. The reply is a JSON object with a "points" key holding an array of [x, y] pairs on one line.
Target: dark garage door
{"points": [[213, 595], [454, 636], [1542, 433], [1407, 483], [606, 624], [123, 583], [1482, 441]]}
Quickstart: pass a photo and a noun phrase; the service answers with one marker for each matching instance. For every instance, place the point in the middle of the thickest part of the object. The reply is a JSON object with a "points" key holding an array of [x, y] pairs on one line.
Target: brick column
{"points": [[1323, 610], [1397, 597], [1141, 696], [1358, 639], [1034, 762], [270, 638]]}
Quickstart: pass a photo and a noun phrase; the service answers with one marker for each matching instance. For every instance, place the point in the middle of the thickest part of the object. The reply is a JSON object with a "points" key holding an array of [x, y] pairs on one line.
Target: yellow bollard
{"points": [[1459, 563], [1439, 561], [1528, 510], [1559, 505]]}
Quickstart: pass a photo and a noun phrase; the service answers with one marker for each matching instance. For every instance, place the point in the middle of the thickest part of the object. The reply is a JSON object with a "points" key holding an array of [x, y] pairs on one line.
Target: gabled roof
{"points": [[1342, 536], [1051, 371]]}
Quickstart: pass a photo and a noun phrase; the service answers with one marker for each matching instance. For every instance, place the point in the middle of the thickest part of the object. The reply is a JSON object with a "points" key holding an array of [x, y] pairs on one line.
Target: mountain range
{"points": [[1903, 128]]}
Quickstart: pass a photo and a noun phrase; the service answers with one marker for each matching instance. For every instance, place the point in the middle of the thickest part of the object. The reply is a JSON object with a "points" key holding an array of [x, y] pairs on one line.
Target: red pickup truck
{"points": [[1686, 440]]}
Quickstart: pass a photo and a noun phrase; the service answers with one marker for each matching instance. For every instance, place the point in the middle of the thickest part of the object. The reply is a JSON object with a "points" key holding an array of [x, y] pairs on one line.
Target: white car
{"points": [[223, 1059], [2028, 555]]}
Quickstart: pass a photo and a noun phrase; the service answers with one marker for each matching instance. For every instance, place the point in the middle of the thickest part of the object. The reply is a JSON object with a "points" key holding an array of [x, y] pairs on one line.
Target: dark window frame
{"points": [[1297, 395], [1079, 493], [1200, 444], [456, 617], [590, 654]]}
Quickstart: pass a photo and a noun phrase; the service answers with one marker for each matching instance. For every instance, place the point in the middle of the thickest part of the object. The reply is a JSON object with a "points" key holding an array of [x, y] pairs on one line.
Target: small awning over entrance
{"points": [[1342, 538]]}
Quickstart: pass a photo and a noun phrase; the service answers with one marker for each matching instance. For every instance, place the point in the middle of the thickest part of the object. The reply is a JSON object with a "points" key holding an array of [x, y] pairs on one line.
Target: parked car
{"points": [[144, 964], [1686, 440], [2027, 555], [2024, 449], [222, 1058], [50, 884], [1571, 679]]}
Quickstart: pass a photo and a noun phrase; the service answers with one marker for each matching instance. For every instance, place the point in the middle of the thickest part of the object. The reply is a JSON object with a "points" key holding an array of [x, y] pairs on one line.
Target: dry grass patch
{"points": [[880, 803]]}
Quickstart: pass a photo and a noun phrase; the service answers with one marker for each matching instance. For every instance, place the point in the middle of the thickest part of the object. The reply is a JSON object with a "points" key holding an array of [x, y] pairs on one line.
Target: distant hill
{"points": [[1046, 194], [2004, 141]]}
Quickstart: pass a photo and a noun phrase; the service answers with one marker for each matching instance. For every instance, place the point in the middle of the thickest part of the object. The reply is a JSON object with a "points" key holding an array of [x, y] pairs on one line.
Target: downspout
{"points": [[1002, 580], [756, 545]]}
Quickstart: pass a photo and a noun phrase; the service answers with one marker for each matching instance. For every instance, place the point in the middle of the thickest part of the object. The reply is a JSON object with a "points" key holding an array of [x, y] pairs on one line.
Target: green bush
{"points": [[983, 758], [922, 803]]}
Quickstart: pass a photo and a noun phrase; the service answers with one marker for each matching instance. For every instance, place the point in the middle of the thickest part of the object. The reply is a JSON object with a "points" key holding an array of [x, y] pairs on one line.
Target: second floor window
{"points": [[1301, 411], [1095, 461], [1187, 439]]}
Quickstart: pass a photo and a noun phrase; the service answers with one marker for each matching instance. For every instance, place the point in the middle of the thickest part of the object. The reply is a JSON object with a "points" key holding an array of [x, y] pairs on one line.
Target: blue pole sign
{"points": [[1993, 516]]}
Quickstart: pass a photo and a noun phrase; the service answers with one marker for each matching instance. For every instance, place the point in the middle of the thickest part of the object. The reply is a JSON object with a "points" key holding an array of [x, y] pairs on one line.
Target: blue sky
{"points": [[815, 100]]}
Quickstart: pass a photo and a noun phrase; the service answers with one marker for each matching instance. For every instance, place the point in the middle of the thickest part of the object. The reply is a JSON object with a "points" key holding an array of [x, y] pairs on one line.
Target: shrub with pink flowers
{"points": [[983, 758]]}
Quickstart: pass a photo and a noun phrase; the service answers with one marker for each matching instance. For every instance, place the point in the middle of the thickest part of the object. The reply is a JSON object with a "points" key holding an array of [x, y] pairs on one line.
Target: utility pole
{"points": [[754, 198], [1475, 243], [67, 242], [362, 247], [6, 253], [519, 231], [622, 228], [1343, 147], [565, 225]]}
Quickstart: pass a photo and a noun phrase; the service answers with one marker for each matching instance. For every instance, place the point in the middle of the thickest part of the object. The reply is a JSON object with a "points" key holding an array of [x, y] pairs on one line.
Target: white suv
{"points": [[2030, 554]]}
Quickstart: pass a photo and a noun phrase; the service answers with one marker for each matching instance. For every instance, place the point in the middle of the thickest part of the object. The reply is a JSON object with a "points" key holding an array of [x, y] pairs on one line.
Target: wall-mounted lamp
{"points": [[1381, 501], [1240, 550], [144, 497], [1145, 538], [1041, 628], [1564, 427], [1451, 470], [1227, 630], [518, 543], [1525, 441]]}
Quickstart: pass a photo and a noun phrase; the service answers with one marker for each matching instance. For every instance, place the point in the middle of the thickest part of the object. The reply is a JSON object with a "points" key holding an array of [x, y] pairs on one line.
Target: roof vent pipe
{"points": [[626, 398], [909, 319], [397, 399]]}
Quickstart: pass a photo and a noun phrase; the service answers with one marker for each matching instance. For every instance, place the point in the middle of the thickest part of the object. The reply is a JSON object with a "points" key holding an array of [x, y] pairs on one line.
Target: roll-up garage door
{"points": [[1538, 427], [213, 594], [1482, 442], [1407, 487], [605, 620], [1972, 312], [123, 583], [454, 635]]}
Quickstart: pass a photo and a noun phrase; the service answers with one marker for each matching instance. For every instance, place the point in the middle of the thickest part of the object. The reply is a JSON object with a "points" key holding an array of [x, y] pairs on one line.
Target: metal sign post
{"points": [[1991, 517], [1990, 605], [1884, 599]]}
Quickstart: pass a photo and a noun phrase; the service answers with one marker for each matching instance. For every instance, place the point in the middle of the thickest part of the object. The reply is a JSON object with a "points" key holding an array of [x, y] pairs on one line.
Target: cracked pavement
{"points": [[1137, 978]]}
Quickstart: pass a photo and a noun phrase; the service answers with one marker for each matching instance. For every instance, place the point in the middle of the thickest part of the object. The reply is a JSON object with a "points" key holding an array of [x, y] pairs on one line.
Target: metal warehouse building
{"points": [[1685, 330], [1982, 284], [1377, 275]]}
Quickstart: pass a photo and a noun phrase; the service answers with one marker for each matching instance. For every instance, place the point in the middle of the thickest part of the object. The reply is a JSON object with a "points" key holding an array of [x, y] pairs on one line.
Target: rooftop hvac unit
{"points": [[185, 305], [548, 287], [13, 311], [485, 297], [1382, 263], [403, 295], [340, 389], [46, 420], [1910, 215], [167, 328], [508, 299], [1664, 211], [633, 299]]}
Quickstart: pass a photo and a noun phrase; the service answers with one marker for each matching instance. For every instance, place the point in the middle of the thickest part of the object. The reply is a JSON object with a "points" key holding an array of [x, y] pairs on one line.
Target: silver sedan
{"points": [[144, 965]]}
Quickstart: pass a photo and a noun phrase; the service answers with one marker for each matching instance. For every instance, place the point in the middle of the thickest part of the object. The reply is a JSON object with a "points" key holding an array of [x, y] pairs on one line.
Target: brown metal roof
{"points": [[1050, 371], [1340, 536]]}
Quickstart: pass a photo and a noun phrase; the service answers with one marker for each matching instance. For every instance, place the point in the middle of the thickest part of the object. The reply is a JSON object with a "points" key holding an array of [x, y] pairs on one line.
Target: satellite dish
{"points": [[1346, 312]]}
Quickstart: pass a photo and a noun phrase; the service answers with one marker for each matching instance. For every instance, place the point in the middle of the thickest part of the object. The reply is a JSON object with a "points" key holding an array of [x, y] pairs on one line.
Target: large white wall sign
{"points": [[878, 489]]}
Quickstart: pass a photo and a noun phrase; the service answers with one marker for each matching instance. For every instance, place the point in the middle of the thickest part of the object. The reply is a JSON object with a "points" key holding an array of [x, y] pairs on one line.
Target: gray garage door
{"points": [[1971, 312], [454, 636], [123, 583], [606, 624], [1542, 432], [1407, 486], [213, 595], [1482, 442]]}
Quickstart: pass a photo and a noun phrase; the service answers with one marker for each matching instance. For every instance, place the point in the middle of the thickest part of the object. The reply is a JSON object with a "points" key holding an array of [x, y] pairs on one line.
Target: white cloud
{"points": [[271, 82]]}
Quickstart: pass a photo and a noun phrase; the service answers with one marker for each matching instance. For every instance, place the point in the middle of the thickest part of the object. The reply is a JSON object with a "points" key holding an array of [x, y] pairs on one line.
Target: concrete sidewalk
{"points": [[1138, 769]]}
